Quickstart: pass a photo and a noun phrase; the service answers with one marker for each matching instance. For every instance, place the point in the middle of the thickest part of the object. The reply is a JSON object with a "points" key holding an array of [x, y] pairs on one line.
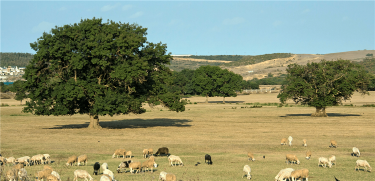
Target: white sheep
{"points": [[300, 174], [43, 174], [82, 174], [23, 160], [22, 174], [363, 163], [82, 158], [332, 159], [37, 159], [356, 152], [149, 164], [47, 158], [71, 160], [304, 143], [291, 159], [54, 173], [308, 154], [284, 174], [283, 141], [104, 166], [247, 170], [11, 160], [105, 177], [163, 176], [110, 173], [250, 156], [290, 139], [324, 161], [175, 159]]}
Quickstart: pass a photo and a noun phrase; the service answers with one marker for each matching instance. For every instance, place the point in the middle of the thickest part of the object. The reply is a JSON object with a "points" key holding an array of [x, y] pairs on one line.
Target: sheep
{"points": [[11, 175], [110, 173], [250, 156], [119, 152], [284, 174], [82, 158], [105, 177], [96, 168], [71, 160], [308, 155], [324, 161], [170, 177], [333, 144], [52, 178], [18, 166], [304, 143], [22, 174], [163, 176], [11, 160], [149, 164], [362, 163], [47, 158], [47, 167], [123, 165], [82, 174], [291, 159], [356, 152], [283, 141], [23, 160], [104, 166], [302, 174], [43, 174], [38, 159], [145, 152], [128, 153], [290, 139], [135, 165], [332, 159], [247, 170], [3, 160], [174, 158], [162, 150], [54, 173], [150, 151]]}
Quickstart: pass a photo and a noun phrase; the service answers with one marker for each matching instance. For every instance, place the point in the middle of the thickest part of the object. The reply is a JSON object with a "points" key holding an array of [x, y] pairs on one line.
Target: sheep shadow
{"points": [[221, 102], [329, 115], [131, 123]]}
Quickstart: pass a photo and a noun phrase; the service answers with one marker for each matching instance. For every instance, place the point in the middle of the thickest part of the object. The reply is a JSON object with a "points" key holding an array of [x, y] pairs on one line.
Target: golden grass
{"points": [[225, 132]]}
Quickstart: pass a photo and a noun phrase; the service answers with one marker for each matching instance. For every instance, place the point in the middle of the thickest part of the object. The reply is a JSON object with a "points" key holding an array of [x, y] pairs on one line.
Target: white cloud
{"points": [[63, 8], [306, 11], [126, 7], [108, 8], [137, 14], [43, 27], [277, 23], [233, 21]]}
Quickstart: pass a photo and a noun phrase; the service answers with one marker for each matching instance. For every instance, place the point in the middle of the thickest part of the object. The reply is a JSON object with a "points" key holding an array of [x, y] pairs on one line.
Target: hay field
{"points": [[226, 131]]}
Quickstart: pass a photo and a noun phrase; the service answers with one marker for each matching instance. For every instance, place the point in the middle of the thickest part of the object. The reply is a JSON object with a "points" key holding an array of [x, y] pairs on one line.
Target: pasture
{"points": [[225, 131]]}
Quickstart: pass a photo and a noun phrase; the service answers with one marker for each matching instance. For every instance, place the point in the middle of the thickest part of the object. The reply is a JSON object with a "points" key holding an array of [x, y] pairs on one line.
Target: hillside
{"points": [[15, 59]]}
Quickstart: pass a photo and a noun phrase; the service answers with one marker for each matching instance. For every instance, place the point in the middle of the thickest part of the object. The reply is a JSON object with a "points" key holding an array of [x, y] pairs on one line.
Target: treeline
{"points": [[216, 57], [369, 64], [15, 59], [248, 60]]}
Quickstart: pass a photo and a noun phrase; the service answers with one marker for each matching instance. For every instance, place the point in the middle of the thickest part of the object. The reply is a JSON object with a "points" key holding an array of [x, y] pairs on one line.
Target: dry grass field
{"points": [[226, 131]]}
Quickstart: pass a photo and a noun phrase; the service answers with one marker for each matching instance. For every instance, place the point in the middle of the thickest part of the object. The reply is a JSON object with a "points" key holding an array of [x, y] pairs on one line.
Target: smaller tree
{"points": [[323, 84], [19, 88]]}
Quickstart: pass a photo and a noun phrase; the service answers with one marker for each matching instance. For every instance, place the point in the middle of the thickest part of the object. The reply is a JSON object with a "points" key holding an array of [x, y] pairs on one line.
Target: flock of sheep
{"points": [[18, 172]]}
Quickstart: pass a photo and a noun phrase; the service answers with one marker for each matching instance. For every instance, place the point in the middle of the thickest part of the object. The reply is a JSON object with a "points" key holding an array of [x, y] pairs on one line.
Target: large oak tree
{"points": [[323, 84], [98, 69]]}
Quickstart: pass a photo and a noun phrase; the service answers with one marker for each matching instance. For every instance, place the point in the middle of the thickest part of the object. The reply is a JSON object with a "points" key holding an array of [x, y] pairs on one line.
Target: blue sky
{"points": [[207, 27]]}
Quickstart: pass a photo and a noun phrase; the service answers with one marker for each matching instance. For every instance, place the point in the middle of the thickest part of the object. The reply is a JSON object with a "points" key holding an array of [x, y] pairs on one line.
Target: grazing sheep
{"points": [[18, 166], [207, 158], [82, 174], [308, 154], [96, 168], [250, 156], [52, 178], [176, 159], [163, 176], [123, 165], [150, 152], [71, 160], [332, 159], [363, 163], [290, 139], [47, 158], [145, 152], [333, 144], [105, 177], [104, 166], [149, 164], [162, 150], [11, 175], [324, 161], [37, 159], [170, 177], [54, 173], [119, 152], [300, 174], [283, 141], [356, 152], [284, 174], [291, 159], [304, 143], [22, 174], [43, 174], [82, 158], [128, 153], [110, 173], [135, 166], [47, 167], [247, 170], [23, 160], [11, 160]]}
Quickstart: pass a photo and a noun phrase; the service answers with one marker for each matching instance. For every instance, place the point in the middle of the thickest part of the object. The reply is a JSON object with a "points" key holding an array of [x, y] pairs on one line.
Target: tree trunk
{"points": [[319, 112], [94, 122], [207, 99], [223, 100]]}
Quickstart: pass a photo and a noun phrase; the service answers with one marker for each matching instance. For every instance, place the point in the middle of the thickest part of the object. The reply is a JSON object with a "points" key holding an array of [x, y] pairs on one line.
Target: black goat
{"points": [[162, 150], [96, 168], [207, 158]]}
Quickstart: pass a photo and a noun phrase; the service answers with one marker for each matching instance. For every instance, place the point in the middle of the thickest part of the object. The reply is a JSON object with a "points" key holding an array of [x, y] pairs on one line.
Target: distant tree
{"points": [[98, 69], [323, 84], [212, 81], [270, 75], [183, 79], [369, 54], [19, 88], [4, 88]]}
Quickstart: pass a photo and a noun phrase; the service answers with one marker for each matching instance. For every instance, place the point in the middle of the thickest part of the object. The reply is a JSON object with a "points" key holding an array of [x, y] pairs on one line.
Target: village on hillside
{"points": [[11, 73]]}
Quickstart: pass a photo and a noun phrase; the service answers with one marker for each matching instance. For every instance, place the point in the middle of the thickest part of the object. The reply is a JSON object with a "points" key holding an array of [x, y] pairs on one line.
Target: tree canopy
{"points": [[98, 69], [213, 81], [19, 88], [323, 84]]}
